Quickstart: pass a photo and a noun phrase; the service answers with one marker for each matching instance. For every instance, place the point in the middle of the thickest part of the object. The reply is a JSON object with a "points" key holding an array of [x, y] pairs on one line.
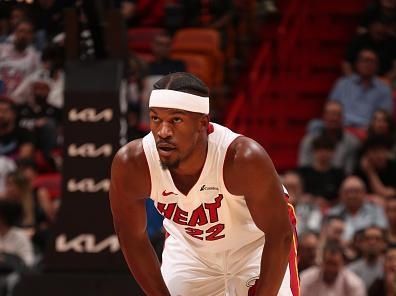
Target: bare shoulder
{"points": [[130, 169], [245, 158], [244, 150]]}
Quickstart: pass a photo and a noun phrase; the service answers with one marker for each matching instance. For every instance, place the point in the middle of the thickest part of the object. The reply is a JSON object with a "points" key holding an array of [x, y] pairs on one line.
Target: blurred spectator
{"points": [[18, 59], [382, 125], [390, 210], [17, 13], [42, 119], [321, 179], [308, 244], [41, 194], [346, 144], [379, 40], [201, 13], [13, 240], [378, 168], [357, 212], [379, 9], [361, 94], [15, 142], [386, 285], [7, 165], [371, 266], [20, 189], [162, 65], [49, 72], [331, 277], [308, 213], [16, 250], [48, 16]]}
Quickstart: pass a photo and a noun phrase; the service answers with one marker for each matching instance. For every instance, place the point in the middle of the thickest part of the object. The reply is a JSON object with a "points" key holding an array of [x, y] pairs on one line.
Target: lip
{"points": [[165, 149]]}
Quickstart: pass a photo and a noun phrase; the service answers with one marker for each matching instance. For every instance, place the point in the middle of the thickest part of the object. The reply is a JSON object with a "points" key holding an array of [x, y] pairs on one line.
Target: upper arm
{"points": [[130, 185], [249, 172]]}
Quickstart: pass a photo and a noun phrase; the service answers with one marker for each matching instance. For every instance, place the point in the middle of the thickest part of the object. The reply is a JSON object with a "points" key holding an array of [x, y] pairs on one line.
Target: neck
{"points": [[371, 259], [333, 133], [366, 80], [195, 163]]}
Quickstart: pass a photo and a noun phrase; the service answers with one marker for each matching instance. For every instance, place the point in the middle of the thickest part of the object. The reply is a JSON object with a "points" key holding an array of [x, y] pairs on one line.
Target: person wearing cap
{"points": [[230, 228]]}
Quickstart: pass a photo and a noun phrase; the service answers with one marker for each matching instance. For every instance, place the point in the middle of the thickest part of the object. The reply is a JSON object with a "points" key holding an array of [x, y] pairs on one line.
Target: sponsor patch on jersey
{"points": [[204, 187]]}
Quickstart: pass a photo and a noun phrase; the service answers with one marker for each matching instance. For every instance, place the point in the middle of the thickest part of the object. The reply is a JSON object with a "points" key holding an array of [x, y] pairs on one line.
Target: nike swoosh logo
{"points": [[164, 193]]}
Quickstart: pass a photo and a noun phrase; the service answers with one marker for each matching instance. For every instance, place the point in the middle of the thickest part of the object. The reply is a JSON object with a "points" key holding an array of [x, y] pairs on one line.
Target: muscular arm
{"points": [[249, 172], [130, 185]]}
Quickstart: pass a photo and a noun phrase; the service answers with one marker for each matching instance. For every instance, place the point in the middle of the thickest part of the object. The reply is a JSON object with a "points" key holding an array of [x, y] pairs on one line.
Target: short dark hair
{"points": [[334, 248], [184, 82], [375, 142], [323, 142]]}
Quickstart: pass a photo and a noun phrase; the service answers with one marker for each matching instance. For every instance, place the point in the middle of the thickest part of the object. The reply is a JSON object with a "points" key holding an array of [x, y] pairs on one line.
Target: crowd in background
{"points": [[343, 189]]}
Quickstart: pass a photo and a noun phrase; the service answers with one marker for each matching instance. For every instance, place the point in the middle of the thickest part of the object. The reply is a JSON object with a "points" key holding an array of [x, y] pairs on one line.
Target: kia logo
{"points": [[86, 243], [90, 115], [88, 185], [89, 150]]}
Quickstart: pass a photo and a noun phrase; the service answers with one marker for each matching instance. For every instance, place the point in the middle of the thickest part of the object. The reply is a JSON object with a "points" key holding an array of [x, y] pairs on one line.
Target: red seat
{"points": [[52, 182], [141, 39]]}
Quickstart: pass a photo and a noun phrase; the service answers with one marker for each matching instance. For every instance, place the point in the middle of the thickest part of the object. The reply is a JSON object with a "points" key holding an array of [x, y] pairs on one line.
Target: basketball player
{"points": [[224, 207]]}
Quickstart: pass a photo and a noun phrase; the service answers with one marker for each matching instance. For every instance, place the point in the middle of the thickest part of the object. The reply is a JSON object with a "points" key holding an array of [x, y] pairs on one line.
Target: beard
{"points": [[20, 45], [169, 165]]}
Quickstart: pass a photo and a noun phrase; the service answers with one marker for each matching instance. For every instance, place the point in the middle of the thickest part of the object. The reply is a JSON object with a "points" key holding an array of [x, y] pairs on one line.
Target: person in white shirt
{"points": [[18, 59]]}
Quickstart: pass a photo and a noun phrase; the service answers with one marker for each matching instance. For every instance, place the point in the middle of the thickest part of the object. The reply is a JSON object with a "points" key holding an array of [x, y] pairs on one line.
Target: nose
{"points": [[165, 130]]}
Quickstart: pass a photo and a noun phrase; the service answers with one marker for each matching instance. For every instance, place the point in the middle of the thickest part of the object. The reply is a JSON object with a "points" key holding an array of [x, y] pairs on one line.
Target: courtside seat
{"points": [[201, 41]]}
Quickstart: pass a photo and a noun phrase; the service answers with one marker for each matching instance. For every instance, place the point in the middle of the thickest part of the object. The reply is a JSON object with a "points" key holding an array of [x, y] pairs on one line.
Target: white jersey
{"points": [[16, 66], [209, 217]]}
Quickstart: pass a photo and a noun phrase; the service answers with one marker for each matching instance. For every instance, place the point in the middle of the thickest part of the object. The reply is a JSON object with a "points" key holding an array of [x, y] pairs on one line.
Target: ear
{"points": [[204, 122]]}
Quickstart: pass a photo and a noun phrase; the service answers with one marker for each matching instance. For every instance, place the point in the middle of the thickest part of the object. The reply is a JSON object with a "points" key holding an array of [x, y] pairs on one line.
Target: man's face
{"points": [[367, 64], [373, 242], [23, 36], [332, 264], [161, 46], [390, 261], [16, 16], [7, 116], [307, 249], [293, 185], [323, 155], [40, 92], [332, 116], [391, 212], [380, 123], [353, 193], [176, 134], [335, 230]]}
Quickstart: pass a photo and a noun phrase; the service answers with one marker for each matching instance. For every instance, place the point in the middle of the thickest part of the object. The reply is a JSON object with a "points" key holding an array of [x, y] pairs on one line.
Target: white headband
{"points": [[166, 98]]}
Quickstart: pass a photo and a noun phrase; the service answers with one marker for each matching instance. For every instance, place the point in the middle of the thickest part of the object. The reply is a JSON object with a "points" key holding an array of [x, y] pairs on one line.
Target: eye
{"points": [[177, 120], [154, 118]]}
